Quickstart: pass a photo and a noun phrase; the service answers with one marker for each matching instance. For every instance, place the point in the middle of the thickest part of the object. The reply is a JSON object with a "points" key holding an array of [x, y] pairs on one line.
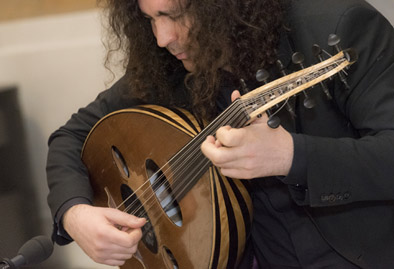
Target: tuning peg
{"points": [[282, 70], [244, 88], [298, 58], [333, 41], [273, 120], [290, 109], [262, 75], [281, 67], [317, 52], [325, 90]]}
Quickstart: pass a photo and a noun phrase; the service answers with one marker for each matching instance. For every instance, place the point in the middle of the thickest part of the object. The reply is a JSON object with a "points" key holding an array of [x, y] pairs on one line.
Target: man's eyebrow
{"points": [[161, 13], [166, 13]]}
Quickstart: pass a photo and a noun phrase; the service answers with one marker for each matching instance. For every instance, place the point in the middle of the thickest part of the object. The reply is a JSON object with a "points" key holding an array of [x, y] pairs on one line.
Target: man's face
{"points": [[170, 27]]}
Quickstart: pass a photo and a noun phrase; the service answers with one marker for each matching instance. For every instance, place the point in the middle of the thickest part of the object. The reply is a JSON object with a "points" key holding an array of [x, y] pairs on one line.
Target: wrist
{"points": [[71, 214]]}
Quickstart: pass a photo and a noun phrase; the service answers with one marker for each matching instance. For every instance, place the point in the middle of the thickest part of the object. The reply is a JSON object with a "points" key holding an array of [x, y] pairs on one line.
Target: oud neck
{"points": [[236, 116], [189, 164], [250, 106]]}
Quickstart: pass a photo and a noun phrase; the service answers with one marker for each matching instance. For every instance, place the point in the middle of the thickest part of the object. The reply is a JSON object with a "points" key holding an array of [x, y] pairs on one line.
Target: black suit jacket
{"points": [[347, 144]]}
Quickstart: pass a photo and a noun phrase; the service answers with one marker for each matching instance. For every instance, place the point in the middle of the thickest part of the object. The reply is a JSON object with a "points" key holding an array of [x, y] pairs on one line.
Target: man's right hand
{"points": [[95, 230]]}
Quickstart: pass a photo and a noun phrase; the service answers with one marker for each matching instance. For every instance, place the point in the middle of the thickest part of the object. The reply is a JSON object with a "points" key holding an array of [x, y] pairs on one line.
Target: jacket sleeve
{"points": [[66, 174], [361, 168]]}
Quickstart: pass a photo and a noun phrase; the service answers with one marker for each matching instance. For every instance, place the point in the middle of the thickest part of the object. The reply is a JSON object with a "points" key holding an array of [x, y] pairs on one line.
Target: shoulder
{"points": [[322, 16], [316, 16], [312, 21], [323, 9], [118, 96]]}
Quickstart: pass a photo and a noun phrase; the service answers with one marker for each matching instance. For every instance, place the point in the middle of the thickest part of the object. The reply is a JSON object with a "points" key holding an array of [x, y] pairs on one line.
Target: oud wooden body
{"points": [[216, 212]]}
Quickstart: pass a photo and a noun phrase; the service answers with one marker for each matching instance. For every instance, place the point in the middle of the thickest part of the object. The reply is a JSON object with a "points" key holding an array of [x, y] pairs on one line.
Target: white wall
{"points": [[386, 7], [57, 63]]}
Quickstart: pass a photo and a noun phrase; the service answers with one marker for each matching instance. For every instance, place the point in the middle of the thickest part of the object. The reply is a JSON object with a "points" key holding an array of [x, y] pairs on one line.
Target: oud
{"points": [[147, 161]]}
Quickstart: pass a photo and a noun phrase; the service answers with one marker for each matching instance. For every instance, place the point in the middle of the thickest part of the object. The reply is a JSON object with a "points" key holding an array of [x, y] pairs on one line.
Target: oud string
{"points": [[179, 168], [185, 164], [181, 164], [158, 178], [175, 172], [188, 155]]}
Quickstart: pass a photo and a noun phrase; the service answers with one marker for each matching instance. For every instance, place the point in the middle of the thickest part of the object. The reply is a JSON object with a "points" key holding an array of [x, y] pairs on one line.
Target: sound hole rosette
{"points": [[135, 207], [163, 191], [120, 162], [170, 260]]}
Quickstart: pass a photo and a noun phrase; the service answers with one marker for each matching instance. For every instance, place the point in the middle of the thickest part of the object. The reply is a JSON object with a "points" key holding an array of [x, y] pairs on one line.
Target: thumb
{"points": [[124, 219], [235, 94]]}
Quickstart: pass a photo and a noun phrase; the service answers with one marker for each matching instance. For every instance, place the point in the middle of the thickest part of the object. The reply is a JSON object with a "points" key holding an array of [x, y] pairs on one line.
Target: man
{"points": [[322, 184]]}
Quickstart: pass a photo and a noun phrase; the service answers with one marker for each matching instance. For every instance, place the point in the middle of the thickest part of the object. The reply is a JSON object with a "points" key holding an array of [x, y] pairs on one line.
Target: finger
{"points": [[123, 239], [241, 167], [122, 256], [113, 251], [210, 139], [234, 95], [208, 146], [235, 173], [130, 233], [230, 137], [234, 158], [217, 155], [218, 144], [113, 262], [135, 236], [124, 219], [103, 251]]}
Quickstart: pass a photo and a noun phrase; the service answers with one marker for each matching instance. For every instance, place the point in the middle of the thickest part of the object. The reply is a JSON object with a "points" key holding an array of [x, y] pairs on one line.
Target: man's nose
{"points": [[165, 33]]}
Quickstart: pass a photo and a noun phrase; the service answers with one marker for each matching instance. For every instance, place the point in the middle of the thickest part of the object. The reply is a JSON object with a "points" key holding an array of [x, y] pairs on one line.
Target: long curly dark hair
{"points": [[243, 34]]}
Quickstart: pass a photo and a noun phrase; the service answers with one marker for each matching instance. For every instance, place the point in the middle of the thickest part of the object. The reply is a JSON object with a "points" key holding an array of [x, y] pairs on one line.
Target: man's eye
{"points": [[148, 18], [175, 17]]}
